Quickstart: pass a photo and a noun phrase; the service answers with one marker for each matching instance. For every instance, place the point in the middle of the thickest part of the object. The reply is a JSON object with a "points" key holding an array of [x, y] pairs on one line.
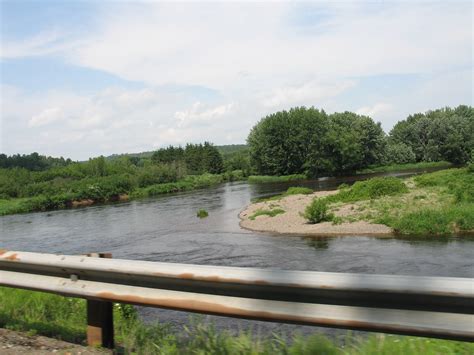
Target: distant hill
{"points": [[225, 150]]}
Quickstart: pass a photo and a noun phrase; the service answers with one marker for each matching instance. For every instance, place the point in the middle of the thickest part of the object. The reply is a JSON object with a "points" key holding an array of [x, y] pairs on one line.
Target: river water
{"points": [[166, 229]]}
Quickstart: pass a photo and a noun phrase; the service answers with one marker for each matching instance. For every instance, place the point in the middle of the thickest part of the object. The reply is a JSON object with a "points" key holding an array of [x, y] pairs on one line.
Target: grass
{"points": [[439, 203], [369, 189], [202, 213], [291, 191], [298, 191], [271, 213], [257, 179], [65, 318], [401, 167]]}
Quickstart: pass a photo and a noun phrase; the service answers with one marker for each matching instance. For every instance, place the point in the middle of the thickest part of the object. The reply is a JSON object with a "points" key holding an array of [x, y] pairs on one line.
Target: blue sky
{"points": [[84, 78]]}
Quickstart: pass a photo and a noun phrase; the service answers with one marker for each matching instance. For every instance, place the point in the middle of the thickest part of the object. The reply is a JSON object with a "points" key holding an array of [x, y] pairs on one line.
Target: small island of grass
{"points": [[438, 203]]}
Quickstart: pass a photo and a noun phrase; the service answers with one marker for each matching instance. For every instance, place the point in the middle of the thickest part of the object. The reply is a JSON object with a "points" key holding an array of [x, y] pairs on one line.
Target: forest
{"points": [[302, 142]]}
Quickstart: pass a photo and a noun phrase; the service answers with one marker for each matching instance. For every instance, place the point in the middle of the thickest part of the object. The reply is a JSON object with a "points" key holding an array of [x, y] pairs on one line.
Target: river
{"points": [[166, 229]]}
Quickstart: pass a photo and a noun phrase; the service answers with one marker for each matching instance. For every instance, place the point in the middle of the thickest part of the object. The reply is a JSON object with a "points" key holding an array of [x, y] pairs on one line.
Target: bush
{"points": [[157, 174], [202, 213], [370, 189], [317, 211]]}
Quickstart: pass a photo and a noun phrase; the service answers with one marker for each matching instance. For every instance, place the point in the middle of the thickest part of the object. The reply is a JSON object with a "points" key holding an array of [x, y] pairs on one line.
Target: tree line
{"points": [[298, 141], [33, 161], [312, 142], [197, 158]]}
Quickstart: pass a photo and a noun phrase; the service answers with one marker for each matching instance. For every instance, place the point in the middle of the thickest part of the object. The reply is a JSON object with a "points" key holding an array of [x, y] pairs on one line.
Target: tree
{"points": [[443, 134], [307, 140], [399, 153]]}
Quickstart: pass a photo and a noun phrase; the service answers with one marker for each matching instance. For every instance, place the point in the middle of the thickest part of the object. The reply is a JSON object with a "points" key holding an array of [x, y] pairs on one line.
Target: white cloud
{"points": [[198, 113], [41, 44], [311, 92], [213, 45], [47, 116], [376, 110]]}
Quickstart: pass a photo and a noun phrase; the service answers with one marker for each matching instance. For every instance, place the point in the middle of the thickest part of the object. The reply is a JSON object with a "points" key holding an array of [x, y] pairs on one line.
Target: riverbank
{"points": [[88, 198], [408, 166], [437, 203], [65, 318], [260, 179], [37, 192]]}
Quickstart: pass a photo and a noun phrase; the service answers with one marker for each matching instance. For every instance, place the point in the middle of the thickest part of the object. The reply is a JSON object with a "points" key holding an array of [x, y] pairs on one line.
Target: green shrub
{"points": [[370, 189], [317, 211], [234, 175], [202, 213], [157, 174], [298, 190], [433, 221]]}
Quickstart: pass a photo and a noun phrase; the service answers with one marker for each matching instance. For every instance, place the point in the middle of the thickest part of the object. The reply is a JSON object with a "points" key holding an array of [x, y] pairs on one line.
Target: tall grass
{"points": [[65, 318], [369, 189]]}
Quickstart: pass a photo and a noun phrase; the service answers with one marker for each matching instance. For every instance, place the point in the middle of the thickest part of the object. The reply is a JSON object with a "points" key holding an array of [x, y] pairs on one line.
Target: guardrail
{"points": [[440, 307]]}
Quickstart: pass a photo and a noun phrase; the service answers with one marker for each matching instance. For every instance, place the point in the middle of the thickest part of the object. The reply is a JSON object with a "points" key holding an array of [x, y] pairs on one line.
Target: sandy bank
{"points": [[291, 222]]}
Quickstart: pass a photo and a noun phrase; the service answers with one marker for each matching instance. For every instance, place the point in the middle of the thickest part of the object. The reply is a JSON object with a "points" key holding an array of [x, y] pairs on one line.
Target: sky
{"points": [[87, 78]]}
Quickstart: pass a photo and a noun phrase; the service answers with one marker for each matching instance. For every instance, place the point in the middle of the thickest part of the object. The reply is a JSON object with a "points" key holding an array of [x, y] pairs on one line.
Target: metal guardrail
{"points": [[441, 307]]}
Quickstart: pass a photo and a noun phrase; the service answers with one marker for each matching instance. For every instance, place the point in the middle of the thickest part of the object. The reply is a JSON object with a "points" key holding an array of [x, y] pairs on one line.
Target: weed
{"points": [[202, 213], [262, 212]]}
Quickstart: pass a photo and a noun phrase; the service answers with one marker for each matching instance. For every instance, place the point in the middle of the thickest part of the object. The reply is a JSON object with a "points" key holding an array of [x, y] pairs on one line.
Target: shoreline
{"points": [[292, 223]]}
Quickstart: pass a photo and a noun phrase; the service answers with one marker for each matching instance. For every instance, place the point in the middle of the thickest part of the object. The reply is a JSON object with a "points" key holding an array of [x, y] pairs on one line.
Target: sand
{"points": [[291, 222]]}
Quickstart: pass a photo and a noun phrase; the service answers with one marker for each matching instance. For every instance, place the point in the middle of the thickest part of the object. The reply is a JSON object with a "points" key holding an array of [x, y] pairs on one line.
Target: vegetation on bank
{"points": [[285, 146], [272, 213], [294, 190], [430, 204], [65, 318], [100, 180], [258, 179], [407, 166]]}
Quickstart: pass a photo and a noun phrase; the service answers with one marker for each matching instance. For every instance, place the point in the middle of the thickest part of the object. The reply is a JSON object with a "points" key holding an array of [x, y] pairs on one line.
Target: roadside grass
{"points": [[257, 179], [65, 318], [439, 203], [401, 167], [262, 212]]}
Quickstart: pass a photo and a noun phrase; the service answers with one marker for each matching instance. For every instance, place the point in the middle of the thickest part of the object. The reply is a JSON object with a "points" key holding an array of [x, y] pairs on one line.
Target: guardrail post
{"points": [[100, 321]]}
